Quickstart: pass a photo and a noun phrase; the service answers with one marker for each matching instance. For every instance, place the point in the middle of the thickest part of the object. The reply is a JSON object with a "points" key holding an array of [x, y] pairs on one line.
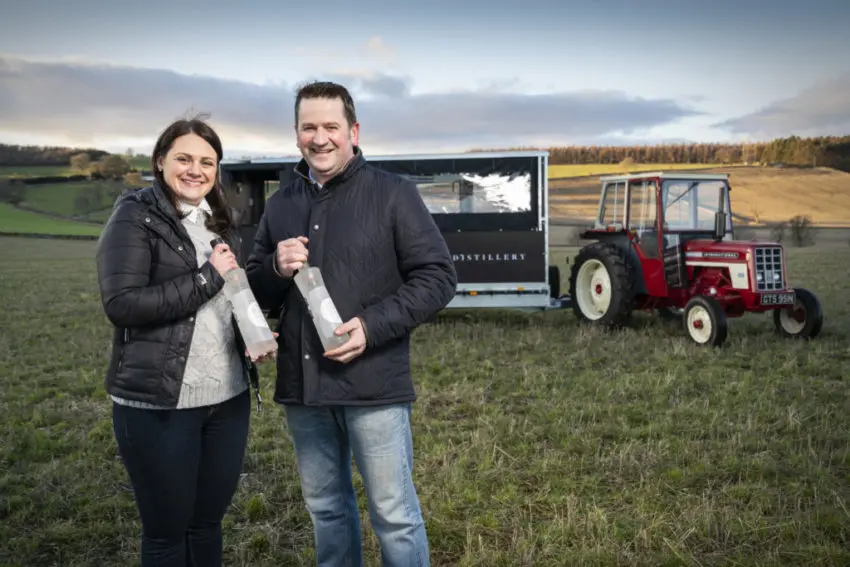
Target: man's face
{"points": [[324, 136]]}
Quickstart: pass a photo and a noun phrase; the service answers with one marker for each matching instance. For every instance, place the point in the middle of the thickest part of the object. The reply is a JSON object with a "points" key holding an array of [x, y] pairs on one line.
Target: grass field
{"points": [[139, 162], [582, 170], [62, 198], [537, 443], [16, 220], [35, 170]]}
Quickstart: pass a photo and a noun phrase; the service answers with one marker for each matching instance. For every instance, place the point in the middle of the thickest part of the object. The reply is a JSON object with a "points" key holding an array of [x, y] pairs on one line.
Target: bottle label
{"points": [[328, 311], [255, 315]]}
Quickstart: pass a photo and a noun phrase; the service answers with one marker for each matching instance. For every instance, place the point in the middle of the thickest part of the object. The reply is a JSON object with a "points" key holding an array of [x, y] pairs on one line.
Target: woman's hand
{"points": [[222, 259], [263, 357]]}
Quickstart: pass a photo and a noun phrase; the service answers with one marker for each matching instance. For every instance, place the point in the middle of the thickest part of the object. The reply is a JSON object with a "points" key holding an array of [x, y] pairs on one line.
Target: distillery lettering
{"points": [[504, 257]]}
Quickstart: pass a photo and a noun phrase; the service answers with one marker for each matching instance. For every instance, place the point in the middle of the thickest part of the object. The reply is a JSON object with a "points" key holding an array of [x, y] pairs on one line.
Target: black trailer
{"points": [[491, 208]]}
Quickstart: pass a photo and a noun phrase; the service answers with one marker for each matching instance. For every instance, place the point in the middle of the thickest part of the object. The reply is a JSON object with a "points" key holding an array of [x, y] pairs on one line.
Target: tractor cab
{"points": [[661, 216]]}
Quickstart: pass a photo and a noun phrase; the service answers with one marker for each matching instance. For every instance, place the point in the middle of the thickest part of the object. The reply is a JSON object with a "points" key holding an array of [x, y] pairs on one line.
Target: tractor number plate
{"points": [[777, 299]]}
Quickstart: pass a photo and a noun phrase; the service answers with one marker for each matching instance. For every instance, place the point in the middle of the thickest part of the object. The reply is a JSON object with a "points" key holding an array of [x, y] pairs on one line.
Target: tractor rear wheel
{"points": [[803, 320], [705, 321], [601, 285]]}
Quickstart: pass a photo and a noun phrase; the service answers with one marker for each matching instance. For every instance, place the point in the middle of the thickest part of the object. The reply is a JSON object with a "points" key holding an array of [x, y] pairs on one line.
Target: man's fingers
{"points": [[340, 350], [346, 327]]}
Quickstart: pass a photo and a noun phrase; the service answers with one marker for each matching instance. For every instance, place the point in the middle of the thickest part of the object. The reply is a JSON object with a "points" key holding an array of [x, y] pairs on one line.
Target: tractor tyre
{"points": [[803, 320], [705, 321], [602, 285]]}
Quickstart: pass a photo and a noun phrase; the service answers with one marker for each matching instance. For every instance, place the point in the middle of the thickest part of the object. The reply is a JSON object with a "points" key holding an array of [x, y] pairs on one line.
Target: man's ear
{"points": [[355, 134]]}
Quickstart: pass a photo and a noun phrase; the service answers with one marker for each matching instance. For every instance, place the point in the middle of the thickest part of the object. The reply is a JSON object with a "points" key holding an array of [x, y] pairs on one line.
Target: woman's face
{"points": [[190, 168]]}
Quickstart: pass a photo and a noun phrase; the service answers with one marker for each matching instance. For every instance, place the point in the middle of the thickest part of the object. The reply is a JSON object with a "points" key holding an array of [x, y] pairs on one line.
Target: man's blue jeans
{"points": [[381, 441]]}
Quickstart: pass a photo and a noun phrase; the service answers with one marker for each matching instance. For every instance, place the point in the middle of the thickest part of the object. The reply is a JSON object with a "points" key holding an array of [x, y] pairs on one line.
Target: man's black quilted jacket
{"points": [[151, 287], [383, 259]]}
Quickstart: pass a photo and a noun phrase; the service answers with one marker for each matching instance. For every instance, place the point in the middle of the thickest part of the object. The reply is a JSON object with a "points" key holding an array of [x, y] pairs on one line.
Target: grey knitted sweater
{"points": [[214, 371]]}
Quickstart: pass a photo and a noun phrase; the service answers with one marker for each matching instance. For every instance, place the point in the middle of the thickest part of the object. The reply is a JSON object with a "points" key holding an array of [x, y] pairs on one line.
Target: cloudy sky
{"points": [[427, 76]]}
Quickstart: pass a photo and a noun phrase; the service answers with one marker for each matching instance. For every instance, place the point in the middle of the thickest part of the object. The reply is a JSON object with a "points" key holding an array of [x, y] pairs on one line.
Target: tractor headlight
{"points": [[759, 277], [776, 276]]}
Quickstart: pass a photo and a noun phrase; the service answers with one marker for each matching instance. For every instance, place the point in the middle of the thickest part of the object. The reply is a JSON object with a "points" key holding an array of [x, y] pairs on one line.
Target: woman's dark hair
{"points": [[220, 221]]}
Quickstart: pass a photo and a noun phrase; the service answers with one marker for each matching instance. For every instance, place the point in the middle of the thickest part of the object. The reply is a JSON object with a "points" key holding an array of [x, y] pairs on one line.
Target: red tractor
{"points": [[663, 242]]}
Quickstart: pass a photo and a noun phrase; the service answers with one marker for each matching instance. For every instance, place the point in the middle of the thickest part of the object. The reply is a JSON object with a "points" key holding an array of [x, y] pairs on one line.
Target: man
{"points": [[387, 269]]}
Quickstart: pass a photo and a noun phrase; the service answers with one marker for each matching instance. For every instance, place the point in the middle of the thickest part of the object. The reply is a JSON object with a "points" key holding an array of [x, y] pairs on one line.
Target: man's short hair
{"points": [[327, 89]]}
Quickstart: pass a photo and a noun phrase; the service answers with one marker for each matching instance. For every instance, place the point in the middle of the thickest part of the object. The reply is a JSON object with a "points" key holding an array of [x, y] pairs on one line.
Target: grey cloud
{"points": [[823, 109], [370, 85], [125, 102]]}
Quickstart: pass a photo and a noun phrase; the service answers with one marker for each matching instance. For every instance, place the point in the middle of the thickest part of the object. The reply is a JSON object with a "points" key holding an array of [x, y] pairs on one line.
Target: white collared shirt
{"points": [[193, 213], [313, 179]]}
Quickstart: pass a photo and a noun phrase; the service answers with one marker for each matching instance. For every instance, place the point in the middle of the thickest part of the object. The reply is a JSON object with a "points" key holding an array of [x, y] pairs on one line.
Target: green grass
{"points": [[62, 198], [139, 162], [35, 170], [537, 442], [16, 220]]}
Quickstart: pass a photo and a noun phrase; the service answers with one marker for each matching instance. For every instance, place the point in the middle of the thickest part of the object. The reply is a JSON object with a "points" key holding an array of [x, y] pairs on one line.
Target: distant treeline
{"points": [[829, 151], [11, 155]]}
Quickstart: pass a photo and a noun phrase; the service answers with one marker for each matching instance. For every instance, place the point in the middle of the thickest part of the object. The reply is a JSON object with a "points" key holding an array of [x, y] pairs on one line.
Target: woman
{"points": [[178, 376]]}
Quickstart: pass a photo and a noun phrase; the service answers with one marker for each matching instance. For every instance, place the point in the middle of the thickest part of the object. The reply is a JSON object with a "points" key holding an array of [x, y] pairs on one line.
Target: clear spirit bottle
{"points": [[252, 324], [320, 305]]}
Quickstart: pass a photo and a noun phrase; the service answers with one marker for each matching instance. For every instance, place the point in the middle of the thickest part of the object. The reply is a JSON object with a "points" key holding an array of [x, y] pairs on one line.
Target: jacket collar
{"points": [[351, 168], [163, 203]]}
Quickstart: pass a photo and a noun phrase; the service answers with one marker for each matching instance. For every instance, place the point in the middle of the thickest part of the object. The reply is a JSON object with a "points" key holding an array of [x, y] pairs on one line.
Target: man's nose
{"points": [[321, 136]]}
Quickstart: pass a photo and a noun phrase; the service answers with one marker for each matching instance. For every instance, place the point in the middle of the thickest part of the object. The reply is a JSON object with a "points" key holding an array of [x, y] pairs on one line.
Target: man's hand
{"points": [[291, 255], [355, 345]]}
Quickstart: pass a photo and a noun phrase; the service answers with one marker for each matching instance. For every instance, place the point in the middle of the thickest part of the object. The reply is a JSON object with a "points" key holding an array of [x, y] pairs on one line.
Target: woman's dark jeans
{"points": [[184, 466]]}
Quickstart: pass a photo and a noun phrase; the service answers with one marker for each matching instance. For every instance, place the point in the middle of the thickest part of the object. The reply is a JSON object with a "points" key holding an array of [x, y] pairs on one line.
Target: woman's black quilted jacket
{"points": [[151, 287]]}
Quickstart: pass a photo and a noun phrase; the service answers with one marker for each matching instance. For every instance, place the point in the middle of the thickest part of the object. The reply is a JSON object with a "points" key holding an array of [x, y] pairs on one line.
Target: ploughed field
{"points": [[537, 442]]}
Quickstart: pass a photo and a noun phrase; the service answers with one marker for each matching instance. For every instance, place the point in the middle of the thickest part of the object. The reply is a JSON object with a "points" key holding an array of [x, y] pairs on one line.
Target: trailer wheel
{"points": [[803, 320], [554, 281], [705, 321], [601, 285]]}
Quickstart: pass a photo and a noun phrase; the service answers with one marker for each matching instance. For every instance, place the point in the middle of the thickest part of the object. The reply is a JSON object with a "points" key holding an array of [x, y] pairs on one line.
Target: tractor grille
{"points": [[769, 265]]}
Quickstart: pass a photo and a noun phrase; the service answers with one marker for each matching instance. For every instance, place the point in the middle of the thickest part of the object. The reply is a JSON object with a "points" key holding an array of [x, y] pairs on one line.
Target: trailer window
{"points": [[460, 193]]}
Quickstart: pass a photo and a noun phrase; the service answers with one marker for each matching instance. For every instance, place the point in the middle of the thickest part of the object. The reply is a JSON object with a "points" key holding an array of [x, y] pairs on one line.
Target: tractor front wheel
{"points": [[601, 282], [705, 321], [803, 320]]}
